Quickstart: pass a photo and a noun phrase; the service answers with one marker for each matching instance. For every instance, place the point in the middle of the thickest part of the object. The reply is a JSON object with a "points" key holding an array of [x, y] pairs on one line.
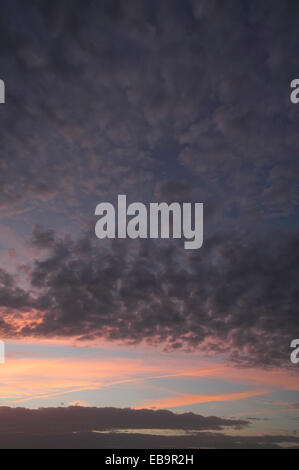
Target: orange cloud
{"points": [[23, 379], [190, 399]]}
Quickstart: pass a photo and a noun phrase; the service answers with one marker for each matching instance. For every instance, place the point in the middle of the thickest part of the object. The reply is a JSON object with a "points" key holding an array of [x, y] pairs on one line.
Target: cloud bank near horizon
{"points": [[84, 427]]}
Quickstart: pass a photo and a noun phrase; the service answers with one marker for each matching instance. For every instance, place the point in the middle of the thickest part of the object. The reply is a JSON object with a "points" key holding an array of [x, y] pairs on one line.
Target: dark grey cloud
{"points": [[12, 296], [72, 428], [103, 99], [231, 297], [168, 101], [84, 419], [204, 440], [42, 238], [174, 100]]}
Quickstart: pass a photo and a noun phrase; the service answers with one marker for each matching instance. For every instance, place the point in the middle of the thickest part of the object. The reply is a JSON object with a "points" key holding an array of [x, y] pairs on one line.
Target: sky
{"points": [[133, 343]]}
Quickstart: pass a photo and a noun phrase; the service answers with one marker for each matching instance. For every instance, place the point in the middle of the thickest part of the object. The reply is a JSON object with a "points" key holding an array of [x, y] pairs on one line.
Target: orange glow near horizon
{"points": [[24, 379]]}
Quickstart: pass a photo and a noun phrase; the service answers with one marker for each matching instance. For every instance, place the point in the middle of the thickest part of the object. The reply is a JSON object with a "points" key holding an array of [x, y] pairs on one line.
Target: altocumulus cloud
{"points": [[233, 298], [106, 97], [154, 100]]}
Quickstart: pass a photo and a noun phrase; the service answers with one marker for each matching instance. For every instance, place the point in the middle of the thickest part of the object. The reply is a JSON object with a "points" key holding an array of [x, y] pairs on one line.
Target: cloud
{"points": [[24, 379], [12, 296], [167, 92], [236, 298], [120, 440], [189, 399], [74, 427], [154, 101], [82, 419], [88, 440], [165, 101], [42, 238]]}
